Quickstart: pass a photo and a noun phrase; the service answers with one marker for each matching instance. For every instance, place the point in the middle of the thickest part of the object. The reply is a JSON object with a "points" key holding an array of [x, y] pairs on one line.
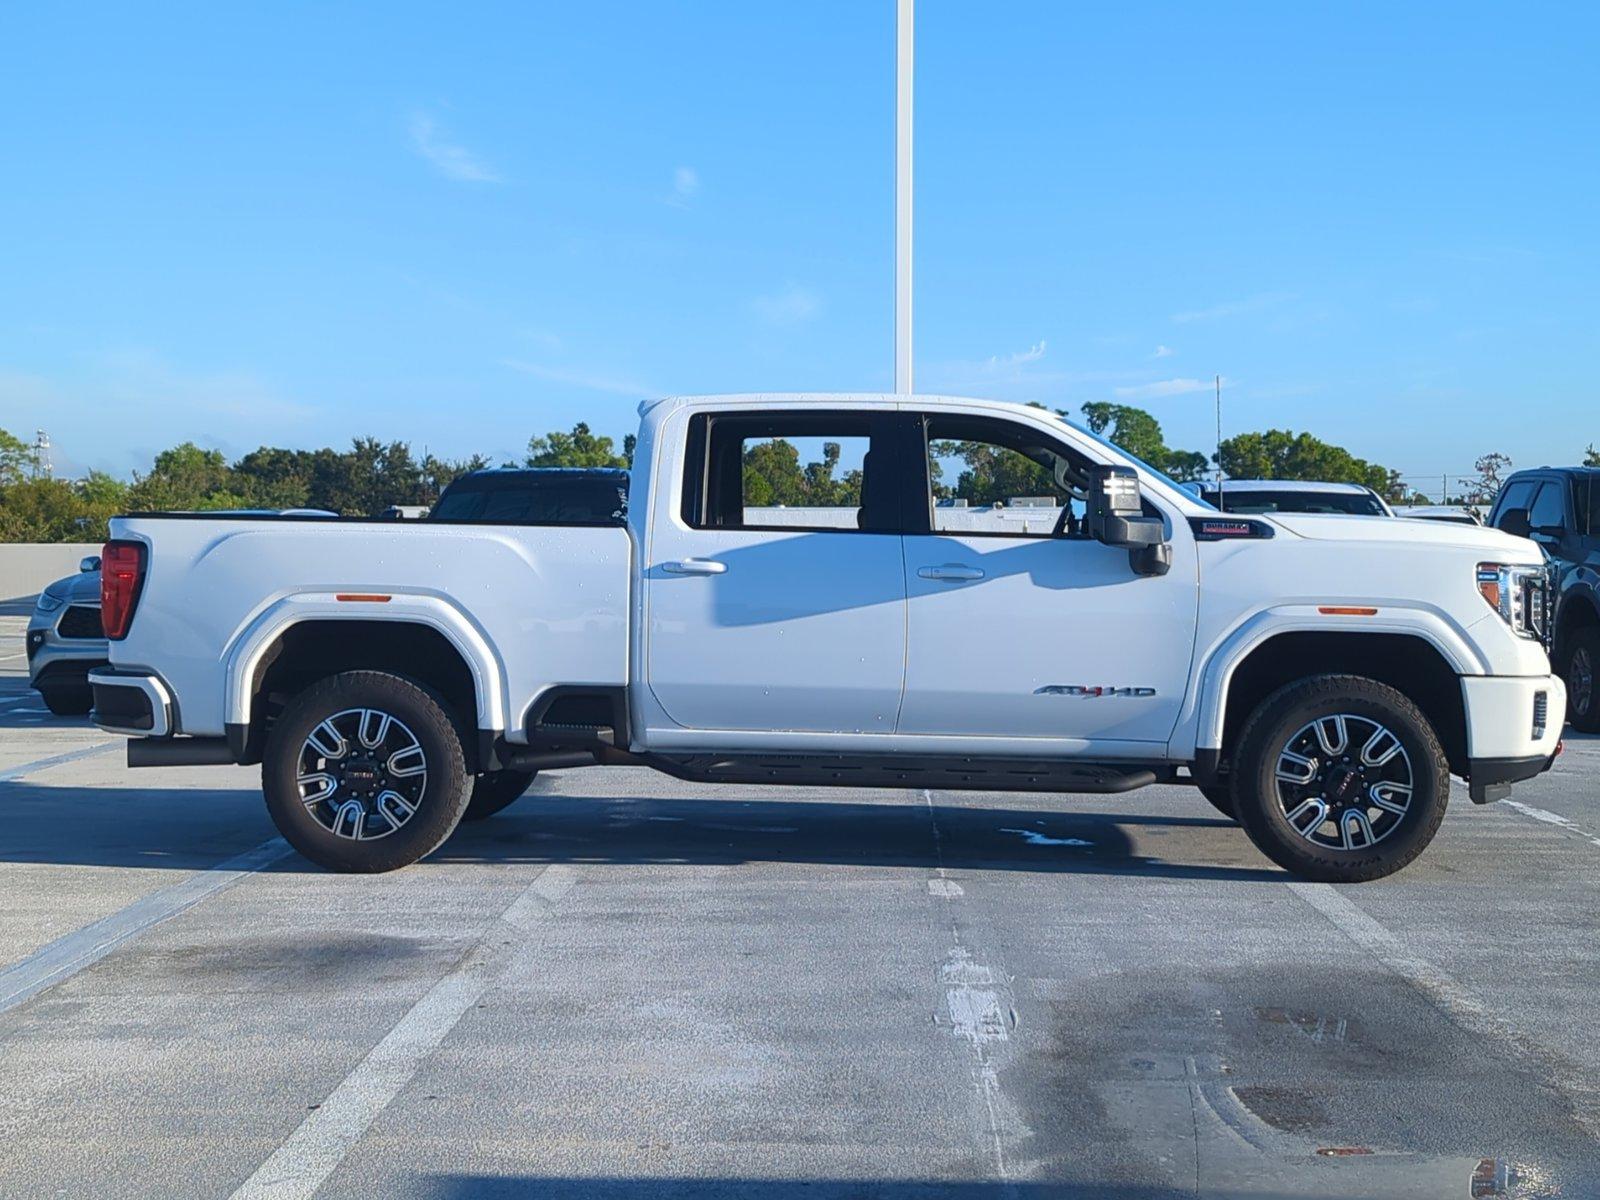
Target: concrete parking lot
{"points": [[627, 985]]}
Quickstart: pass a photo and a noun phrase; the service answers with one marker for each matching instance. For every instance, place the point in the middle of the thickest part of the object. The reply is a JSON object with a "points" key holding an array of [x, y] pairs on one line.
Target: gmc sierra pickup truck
{"points": [[952, 594]]}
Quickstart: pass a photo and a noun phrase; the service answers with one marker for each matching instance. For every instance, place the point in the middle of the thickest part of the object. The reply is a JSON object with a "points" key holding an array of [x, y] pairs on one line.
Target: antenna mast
{"points": [[1221, 502]]}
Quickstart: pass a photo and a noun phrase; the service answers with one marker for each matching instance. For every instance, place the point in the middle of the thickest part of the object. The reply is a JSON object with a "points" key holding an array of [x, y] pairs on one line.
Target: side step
{"points": [[904, 771]]}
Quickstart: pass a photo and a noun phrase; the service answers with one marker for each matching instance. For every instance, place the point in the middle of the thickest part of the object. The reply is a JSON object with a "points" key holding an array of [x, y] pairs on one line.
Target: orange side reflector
{"points": [[362, 597], [1334, 610]]}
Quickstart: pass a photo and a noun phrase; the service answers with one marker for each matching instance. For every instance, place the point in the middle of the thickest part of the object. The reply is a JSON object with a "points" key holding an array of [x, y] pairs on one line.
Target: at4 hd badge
{"points": [[1091, 693]]}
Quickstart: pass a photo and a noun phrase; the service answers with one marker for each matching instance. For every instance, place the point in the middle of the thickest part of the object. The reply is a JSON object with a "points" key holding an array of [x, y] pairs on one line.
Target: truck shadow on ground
{"points": [[198, 829]]}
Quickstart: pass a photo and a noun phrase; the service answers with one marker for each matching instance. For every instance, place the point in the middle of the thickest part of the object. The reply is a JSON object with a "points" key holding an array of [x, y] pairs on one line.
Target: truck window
{"points": [[1518, 493], [814, 471], [999, 479], [1589, 490], [1548, 510]]}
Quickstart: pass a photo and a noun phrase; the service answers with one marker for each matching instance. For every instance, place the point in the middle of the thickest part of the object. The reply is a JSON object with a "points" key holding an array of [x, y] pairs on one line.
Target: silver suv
{"points": [[65, 641]]}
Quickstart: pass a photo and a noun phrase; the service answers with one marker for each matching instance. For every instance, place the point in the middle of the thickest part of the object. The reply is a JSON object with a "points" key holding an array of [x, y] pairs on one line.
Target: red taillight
{"points": [[121, 577]]}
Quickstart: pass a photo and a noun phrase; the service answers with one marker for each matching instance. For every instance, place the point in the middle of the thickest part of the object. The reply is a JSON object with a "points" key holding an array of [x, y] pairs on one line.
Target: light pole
{"points": [[902, 199]]}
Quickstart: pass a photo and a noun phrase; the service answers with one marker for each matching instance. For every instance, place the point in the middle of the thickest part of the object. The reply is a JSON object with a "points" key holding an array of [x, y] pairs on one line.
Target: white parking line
{"points": [[1455, 1000], [55, 760], [1550, 818], [68, 955], [320, 1143]]}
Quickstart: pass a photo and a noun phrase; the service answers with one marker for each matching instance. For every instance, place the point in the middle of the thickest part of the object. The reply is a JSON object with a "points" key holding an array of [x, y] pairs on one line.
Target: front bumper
{"points": [[54, 660], [131, 702], [1513, 730]]}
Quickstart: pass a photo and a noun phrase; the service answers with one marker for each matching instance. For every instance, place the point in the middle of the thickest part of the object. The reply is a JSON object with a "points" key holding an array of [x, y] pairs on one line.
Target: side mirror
{"points": [[1515, 522], [90, 563], [1116, 517]]}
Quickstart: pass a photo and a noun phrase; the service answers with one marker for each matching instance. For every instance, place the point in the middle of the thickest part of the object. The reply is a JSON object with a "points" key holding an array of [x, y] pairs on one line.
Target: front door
{"points": [[1017, 625], [776, 595]]}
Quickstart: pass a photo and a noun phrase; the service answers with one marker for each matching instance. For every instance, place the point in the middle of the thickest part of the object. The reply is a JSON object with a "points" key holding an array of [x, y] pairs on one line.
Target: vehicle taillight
{"points": [[121, 577]]}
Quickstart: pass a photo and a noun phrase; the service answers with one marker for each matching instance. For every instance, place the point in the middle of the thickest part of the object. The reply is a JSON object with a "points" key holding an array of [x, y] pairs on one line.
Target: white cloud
{"points": [[578, 377], [1162, 352], [792, 305], [1162, 388], [1032, 354], [1232, 308], [685, 182], [449, 159]]}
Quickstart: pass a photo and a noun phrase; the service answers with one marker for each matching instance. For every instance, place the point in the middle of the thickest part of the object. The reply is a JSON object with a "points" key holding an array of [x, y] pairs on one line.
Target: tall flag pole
{"points": [[902, 200]]}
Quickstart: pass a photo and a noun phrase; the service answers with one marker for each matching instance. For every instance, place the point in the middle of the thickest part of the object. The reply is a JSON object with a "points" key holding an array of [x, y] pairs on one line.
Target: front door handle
{"points": [[695, 566], [953, 572]]}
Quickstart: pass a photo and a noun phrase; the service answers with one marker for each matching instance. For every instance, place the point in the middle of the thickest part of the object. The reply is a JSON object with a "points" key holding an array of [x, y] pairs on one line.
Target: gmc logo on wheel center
{"points": [[1093, 693]]}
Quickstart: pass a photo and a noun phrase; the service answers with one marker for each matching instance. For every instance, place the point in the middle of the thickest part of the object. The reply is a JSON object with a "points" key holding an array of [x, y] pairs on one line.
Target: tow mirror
{"points": [[89, 563], [1116, 517]]}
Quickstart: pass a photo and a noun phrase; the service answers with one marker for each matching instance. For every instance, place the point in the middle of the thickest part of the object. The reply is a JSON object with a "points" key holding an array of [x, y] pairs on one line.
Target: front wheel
{"points": [[364, 771], [1583, 680], [1340, 779]]}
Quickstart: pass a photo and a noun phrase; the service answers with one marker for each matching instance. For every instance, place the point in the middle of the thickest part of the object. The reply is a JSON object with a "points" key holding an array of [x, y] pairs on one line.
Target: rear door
{"points": [[776, 594]]}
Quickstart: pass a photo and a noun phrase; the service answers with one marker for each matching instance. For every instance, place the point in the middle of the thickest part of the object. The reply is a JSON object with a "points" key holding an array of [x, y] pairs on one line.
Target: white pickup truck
{"points": [[750, 620]]}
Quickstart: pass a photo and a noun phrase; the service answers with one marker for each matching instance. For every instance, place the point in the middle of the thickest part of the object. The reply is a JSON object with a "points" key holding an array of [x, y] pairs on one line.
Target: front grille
{"points": [[80, 621]]}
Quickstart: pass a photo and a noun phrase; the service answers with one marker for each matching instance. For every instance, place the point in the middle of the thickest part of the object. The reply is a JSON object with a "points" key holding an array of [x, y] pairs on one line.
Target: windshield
{"points": [[1359, 504], [1205, 501]]}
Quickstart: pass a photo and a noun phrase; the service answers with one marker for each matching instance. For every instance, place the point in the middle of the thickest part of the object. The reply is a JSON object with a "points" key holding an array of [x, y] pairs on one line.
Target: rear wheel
{"points": [[1582, 676], [1340, 778], [495, 790], [1221, 797], [365, 772], [69, 701]]}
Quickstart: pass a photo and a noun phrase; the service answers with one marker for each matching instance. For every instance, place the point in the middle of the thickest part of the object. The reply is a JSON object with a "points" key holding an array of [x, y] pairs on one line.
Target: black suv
{"points": [[1559, 507]]}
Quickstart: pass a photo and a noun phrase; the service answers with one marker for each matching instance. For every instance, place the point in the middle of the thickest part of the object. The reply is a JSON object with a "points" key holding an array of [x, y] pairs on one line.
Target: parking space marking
{"points": [[13, 773], [1451, 997], [1550, 818], [68, 955], [320, 1143]]}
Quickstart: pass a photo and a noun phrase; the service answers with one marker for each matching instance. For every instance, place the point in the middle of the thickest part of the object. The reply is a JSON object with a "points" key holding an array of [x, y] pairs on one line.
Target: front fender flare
{"points": [[1220, 663]]}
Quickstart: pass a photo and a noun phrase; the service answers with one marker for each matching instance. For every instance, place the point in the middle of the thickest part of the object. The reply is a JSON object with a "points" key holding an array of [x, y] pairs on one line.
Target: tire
{"points": [[1221, 797], [68, 701], [379, 745], [1360, 744], [495, 790], [1581, 671]]}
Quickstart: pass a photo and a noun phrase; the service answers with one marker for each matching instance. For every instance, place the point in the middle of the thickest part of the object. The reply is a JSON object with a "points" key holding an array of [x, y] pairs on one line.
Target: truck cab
{"points": [[1559, 508], [845, 590]]}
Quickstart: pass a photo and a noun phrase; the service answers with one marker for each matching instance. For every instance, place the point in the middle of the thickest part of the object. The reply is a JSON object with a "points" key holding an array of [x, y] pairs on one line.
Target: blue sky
{"points": [[461, 225]]}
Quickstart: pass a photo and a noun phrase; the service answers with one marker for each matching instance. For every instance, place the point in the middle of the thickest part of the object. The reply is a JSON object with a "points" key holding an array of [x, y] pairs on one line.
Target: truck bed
{"points": [[543, 605]]}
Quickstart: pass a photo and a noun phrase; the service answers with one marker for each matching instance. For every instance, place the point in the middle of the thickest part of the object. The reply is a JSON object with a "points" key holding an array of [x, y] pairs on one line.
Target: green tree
{"points": [[991, 474], [1139, 433], [580, 448], [1591, 456], [16, 459], [1491, 470], [43, 510], [185, 478], [1284, 454]]}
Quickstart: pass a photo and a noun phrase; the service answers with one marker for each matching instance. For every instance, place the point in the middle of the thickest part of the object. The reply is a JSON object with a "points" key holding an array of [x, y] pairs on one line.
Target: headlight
{"points": [[49, 603], [1517, 593]]}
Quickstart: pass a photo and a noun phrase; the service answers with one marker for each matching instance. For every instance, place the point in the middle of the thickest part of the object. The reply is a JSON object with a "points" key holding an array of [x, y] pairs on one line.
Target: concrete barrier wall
{"points": [[25, 569]]}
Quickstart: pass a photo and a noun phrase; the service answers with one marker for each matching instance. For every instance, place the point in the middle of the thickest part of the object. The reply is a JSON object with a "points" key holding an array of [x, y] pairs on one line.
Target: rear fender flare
{"points": [[245, 650]]}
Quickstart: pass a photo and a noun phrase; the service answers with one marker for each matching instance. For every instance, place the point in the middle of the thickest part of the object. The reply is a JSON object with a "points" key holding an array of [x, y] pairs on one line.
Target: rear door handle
{"points": [[953, 572], [695, 566]]}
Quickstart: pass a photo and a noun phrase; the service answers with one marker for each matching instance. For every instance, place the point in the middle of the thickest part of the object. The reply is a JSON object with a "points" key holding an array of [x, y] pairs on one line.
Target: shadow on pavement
{"points": [[196, 829]]}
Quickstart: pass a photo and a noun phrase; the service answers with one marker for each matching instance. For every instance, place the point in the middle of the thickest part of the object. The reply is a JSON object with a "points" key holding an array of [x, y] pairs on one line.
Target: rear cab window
{"points": [[827, 471]]}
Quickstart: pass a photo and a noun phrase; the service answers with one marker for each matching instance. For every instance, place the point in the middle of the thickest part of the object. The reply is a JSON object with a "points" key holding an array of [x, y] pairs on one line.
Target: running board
{"points": [[909, 771]]}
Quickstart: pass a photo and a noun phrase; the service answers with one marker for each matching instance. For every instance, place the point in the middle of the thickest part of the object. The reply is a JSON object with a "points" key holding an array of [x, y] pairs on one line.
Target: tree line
{"points": [[372, 475]]}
